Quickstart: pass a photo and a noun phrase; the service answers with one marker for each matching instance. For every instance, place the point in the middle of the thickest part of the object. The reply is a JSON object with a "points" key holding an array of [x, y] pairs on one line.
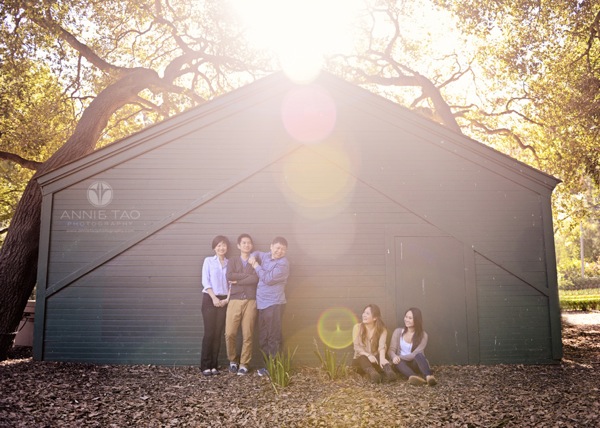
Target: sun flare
{"points": [[300, 33]]}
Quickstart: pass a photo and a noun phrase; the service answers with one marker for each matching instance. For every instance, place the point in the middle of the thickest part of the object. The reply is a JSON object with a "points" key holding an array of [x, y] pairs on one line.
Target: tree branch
{"points": [[442, 109], [508, 132], [48, 23], [25, 163]]}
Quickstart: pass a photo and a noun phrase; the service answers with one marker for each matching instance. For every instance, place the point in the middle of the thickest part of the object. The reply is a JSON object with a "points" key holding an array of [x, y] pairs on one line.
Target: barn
{"points": [[379, 205]]}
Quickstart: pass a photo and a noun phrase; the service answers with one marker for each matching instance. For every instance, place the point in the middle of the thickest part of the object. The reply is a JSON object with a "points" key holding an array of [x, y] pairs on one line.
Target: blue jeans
{"points": [[418, 366], [270, 338]]}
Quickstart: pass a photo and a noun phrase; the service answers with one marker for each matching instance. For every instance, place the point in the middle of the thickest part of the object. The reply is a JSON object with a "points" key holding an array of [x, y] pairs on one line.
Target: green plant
{"points": [[335, 369], [279, 367], [580, 300], [586, 283]]}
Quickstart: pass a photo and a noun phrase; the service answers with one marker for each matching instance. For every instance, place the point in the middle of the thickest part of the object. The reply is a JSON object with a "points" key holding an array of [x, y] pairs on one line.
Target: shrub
{"points": [[279, 367], [580, 283], [579, 302], [566, 284], [329, 363], [584, 283]]}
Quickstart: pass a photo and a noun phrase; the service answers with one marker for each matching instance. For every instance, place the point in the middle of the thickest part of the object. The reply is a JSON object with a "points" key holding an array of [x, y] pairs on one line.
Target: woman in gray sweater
{"points": [[407, 349]]}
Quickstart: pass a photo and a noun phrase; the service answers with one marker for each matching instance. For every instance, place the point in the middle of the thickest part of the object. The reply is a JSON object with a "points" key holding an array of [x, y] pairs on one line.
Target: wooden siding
{"points": [[490, 212], [153, 289], [151, 188], [514, 320], [125, 320], [132, 294]]}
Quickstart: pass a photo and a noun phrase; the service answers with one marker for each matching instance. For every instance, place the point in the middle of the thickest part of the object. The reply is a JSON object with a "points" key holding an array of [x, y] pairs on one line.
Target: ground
{"points": [[41, 394]]}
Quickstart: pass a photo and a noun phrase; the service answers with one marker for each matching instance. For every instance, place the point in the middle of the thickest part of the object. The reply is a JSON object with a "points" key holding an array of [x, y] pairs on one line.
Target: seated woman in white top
{"points": [[407, 349]]}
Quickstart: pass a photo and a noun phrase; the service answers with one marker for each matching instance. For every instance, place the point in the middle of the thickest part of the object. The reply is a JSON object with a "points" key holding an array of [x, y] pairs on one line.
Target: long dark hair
{"points": [[379, 326], [418, 325]]}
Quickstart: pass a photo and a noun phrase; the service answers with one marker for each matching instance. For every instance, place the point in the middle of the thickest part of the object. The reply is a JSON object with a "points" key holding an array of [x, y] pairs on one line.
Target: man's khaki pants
{"points": [[240, 312]]}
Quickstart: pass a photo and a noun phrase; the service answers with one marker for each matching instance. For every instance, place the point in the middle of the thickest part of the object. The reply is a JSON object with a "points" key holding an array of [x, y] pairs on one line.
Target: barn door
{"points": [[430, 275]]}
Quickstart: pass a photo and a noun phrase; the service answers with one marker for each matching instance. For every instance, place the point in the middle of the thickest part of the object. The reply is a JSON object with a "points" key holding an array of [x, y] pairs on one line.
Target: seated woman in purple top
{"points": [[407, 349]]}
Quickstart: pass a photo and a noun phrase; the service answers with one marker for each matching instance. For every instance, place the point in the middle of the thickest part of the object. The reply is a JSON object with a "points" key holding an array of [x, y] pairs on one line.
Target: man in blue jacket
{"points": [[273, 270]]}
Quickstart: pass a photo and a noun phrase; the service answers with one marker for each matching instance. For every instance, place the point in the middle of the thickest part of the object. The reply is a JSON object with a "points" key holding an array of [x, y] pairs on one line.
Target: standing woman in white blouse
{"points": [[215, 296], [407, 349]]}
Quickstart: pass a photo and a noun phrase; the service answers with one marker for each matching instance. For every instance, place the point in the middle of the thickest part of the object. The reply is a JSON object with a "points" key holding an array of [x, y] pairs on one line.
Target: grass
{"points": [[279, 367], [580, 300], [329, 363]]}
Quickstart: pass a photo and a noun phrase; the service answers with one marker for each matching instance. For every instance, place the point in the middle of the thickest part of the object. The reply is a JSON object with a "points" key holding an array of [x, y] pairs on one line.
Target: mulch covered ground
{"points": [[39, 394]]}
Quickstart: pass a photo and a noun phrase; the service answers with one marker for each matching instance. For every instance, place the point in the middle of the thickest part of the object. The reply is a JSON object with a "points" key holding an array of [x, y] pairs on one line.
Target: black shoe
{"points": [[373, 375], [388, 374]]}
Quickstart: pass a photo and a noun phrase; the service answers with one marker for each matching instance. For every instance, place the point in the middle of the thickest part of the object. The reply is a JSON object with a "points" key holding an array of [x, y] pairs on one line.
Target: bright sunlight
{"points": [[300, 33]]}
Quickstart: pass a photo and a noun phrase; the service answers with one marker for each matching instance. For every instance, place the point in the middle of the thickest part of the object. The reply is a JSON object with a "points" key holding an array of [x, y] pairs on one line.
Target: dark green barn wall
{"points": [[513, 318], [152, 301], [130, 292]]}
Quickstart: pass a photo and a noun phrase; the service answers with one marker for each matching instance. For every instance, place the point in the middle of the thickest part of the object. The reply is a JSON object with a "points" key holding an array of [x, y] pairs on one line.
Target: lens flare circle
{"points": [[335, 327], [308, 113], [313, 180]]}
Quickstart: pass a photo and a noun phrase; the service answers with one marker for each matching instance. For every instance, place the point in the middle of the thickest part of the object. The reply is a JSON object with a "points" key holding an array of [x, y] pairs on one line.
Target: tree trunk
{"points": [[18, 264], [19, 254]]}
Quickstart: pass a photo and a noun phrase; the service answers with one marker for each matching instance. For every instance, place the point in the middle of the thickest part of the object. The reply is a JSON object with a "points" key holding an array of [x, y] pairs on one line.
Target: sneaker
{"points": [[262, 372], [242, 371], [214, 371], [233, 368], [207, 372], [416, 381], [431, 380]]}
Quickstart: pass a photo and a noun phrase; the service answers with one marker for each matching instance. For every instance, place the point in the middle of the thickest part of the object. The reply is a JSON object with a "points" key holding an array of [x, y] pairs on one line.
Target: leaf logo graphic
{"points": [[100, 194]]}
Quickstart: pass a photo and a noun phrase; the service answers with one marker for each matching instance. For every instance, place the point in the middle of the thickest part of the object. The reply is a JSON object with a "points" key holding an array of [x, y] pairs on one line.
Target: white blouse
{"points": [[405, 347]]}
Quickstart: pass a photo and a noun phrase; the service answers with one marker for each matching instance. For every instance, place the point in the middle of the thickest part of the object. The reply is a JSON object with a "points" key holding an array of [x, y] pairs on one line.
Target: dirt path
{"points": [[582, 318]]}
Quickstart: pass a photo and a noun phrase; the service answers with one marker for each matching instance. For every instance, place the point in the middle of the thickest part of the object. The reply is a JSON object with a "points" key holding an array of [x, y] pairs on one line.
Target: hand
{"points": [[372, 359], [216, 302], [396, 360], [383, 362]]}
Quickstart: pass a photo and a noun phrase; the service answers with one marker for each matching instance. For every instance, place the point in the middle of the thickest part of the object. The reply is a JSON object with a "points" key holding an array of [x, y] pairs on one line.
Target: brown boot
{"points": [[388, 374], [416, 380], [431, 380], [373, 375]]}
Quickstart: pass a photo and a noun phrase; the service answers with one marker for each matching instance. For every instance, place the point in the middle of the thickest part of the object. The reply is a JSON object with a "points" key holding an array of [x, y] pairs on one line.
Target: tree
{"points": [[137, 54], [31, 102], [402, 52], [546, 55], [123, 64]]}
